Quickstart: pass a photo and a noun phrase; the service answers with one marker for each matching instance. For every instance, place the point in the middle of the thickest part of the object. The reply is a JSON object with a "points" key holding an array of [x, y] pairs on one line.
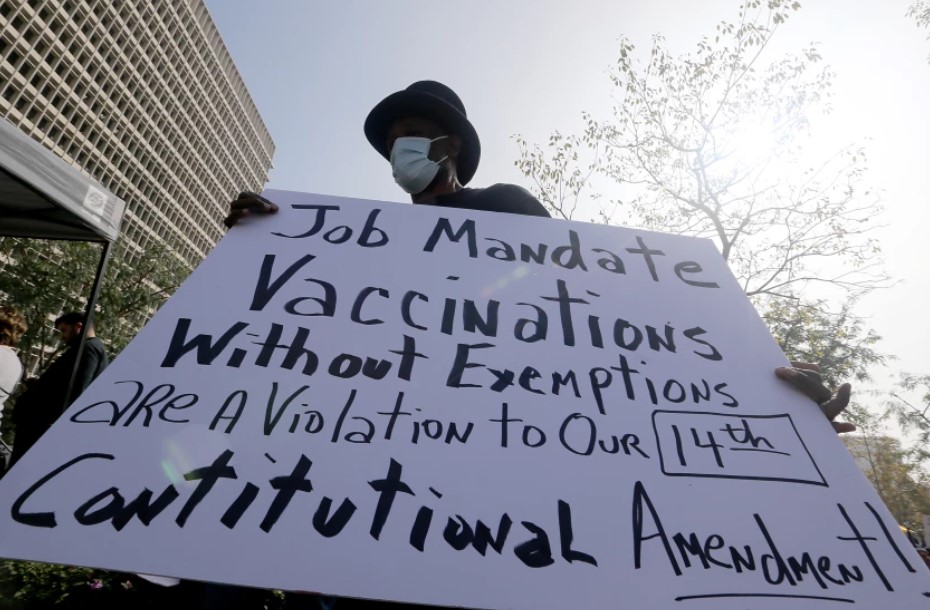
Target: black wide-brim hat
{"points": [[430, 100]]}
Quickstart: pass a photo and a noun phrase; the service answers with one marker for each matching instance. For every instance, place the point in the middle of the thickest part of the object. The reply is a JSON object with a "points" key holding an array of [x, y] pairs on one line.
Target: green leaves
{"points": [[920, 12], [909, 404], [895, 475], [808, 331], [43, 278], [712, 143]]}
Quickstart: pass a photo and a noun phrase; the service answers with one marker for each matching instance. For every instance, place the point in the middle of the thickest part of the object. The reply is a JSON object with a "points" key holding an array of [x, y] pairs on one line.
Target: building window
{"points": [[14, 58]]}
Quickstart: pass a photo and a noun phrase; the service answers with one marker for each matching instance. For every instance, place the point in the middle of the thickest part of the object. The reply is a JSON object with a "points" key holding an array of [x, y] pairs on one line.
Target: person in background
{"points": [[12, 327], [47, 397]]}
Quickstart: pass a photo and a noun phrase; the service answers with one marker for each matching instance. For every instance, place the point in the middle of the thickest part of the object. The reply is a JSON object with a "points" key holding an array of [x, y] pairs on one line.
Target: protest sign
{"points": [[461, 408]]}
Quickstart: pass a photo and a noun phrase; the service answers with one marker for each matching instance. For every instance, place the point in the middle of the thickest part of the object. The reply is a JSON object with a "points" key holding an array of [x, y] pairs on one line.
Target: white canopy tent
{"points": [[42, 197]]}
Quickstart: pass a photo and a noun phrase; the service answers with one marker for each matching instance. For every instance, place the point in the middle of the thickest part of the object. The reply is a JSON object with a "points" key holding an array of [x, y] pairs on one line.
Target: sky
{"points": [[531, 67]]}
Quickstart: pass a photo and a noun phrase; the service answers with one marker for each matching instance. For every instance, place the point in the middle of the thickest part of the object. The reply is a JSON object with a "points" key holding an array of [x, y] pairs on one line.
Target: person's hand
{"points": [[806, 378], [247, 204]]}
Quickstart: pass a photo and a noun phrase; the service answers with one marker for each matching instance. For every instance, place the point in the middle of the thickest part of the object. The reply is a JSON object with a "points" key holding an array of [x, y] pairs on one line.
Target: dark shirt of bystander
{"points": [[46, 398]]}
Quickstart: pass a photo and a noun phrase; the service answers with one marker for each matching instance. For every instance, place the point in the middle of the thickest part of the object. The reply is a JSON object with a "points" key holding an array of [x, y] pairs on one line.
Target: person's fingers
{"points": [[253, 202], [837, 404], [242, 200], [247, 203], [843, 427], [807, 381], [806, 378], [234, 217], [240, 204], [811, 371]]}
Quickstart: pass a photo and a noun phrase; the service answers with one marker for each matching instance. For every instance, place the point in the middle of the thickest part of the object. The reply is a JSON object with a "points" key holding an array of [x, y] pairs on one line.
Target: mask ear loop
{"points": [[434, 140]]}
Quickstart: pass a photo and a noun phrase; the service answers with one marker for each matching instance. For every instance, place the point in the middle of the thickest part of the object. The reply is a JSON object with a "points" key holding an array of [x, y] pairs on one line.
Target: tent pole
{"points": [[89, 320]]}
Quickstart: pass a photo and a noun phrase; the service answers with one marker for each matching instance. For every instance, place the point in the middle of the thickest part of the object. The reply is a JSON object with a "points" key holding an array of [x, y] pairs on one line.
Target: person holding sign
{"points": [[46, 398], [433, 150]]}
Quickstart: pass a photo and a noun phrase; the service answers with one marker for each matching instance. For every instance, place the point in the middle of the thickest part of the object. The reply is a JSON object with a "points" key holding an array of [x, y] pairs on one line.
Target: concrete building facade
{"points": [[143, 97]]}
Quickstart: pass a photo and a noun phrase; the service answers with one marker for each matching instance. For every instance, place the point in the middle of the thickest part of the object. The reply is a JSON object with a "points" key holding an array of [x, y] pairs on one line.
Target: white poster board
{"points": [[461, 408]]}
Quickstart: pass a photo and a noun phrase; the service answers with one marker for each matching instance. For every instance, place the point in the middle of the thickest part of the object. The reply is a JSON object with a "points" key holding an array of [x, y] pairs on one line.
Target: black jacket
{"points": [[45, 398]]}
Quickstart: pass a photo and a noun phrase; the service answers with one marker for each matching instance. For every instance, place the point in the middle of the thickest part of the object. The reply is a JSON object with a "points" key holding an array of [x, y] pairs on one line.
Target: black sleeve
{"points": [[87, 370], [517, 200]]}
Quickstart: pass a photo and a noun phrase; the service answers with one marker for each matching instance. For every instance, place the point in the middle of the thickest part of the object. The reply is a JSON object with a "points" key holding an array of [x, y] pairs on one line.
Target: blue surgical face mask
{"points": [[413, 169]]}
